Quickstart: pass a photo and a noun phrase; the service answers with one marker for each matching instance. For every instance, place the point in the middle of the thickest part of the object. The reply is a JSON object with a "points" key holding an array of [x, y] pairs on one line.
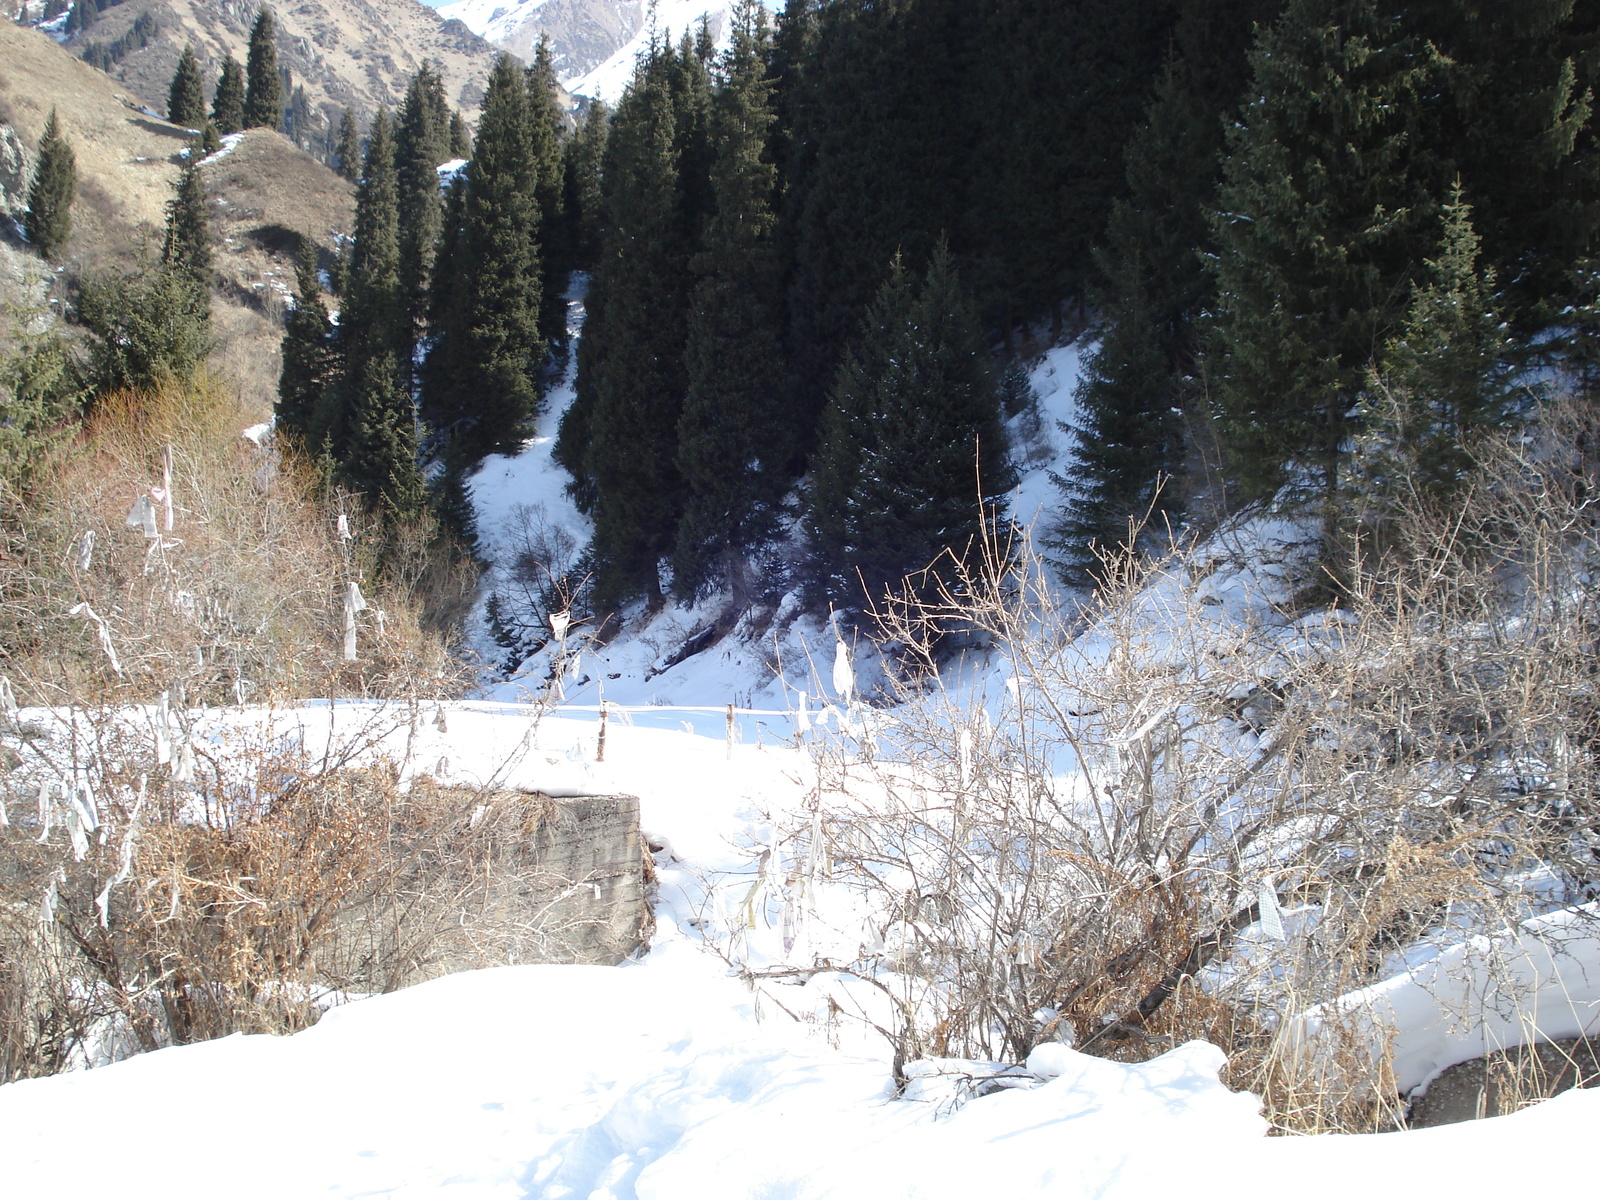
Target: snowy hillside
{"points": [[594, 42], [521, 500]]}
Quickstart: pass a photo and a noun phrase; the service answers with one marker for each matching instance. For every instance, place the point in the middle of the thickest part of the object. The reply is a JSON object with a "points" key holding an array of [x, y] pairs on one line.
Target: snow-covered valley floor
{"points": [[667, 1077]]}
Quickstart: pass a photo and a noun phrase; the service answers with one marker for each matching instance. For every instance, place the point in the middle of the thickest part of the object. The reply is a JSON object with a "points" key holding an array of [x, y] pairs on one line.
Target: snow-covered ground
{"points": [[668, 1077]]}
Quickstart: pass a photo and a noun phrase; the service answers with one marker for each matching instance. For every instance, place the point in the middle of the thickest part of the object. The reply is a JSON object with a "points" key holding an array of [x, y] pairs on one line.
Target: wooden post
{"points": [[600, 746], [730, 731]]}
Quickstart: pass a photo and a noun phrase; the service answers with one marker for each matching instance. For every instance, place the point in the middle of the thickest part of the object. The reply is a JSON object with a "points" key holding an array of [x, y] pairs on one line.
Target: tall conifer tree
{"points": [[620, 434], [1327, 203], [546, 129], [308, 359], [227, 106], [187, 248], [50, 195], [496, 276], [913, 458], [421, 144], [186, 98], [349, 151], [263, 102], [731, 446]]}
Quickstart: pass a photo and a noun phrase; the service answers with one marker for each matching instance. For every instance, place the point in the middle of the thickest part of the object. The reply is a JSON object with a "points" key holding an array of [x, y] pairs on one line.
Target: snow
{"points": [[666, 1077], [1540, 982], [499, 20], [671, 1076]]}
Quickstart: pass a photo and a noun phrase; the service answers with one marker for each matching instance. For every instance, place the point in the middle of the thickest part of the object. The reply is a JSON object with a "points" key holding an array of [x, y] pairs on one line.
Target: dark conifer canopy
{"points": [[227, 106], [263, 104], [55, 184], [186, 100]]}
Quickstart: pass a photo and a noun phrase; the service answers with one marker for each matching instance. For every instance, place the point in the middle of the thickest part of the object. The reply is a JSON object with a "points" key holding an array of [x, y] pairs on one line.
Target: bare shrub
{"points": [[241, 600], [1197, 809], [151, 904]]}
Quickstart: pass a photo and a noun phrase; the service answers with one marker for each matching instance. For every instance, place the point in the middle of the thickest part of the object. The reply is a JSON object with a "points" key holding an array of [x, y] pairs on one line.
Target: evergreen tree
{"points": [[210, 140], [446, 365], [187, 247], [1326, 203], [1444, 378], [348, 155], [496, 271], [1140, 381], [55, 183], [460, 139], [581, 157], [263, 104], [155, 324], [227, 106], [186, 99], [421, 144], [913, 460], [731, 447], [308, 359], [366, 420], [546, 128], [619, 436]]}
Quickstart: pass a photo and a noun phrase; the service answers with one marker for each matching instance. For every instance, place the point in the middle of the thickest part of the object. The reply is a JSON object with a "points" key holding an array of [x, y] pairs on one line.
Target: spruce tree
{"points": [[308, 359], [546, 129], [421, 144], [460, 139], [620, 434], [263, 103], [55, 184], [913, 461], [1141, 379], [731, 446], [348, 155], [227, 106], [186, 99], [1327, 202], [582, 155], [187, 247], [496, 270], [1444, 379], [366, 421]]}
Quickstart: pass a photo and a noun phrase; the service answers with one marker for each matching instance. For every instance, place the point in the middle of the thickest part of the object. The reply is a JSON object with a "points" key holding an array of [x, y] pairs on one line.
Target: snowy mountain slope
{"points": [[594, 42]]}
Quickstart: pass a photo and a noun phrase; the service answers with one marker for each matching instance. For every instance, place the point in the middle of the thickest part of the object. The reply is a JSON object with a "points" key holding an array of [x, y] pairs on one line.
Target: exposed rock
{"points": [[15, 166]]}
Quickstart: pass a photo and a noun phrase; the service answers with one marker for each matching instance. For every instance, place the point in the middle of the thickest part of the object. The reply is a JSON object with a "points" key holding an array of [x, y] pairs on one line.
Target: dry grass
{"points": [[241, 601]]}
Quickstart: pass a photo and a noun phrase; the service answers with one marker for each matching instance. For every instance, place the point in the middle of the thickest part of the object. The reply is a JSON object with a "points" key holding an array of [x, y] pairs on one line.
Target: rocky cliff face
{"points": [[346, 53], [15, 165], [593, 41]]}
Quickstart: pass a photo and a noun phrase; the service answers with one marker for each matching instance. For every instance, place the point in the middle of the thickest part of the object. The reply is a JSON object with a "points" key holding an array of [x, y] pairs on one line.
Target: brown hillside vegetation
{"points": [[266, 196]]}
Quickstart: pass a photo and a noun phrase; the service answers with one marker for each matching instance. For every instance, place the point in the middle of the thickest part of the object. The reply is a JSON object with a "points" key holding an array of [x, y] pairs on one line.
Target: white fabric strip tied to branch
{"points": [[142, 516], [8, 698], [46, 809], [164, 730], [1271, 913], [125, 861], [354, 602], [52, 897], [802, 715], [844, 677], [83, 610], [83, 551]]}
